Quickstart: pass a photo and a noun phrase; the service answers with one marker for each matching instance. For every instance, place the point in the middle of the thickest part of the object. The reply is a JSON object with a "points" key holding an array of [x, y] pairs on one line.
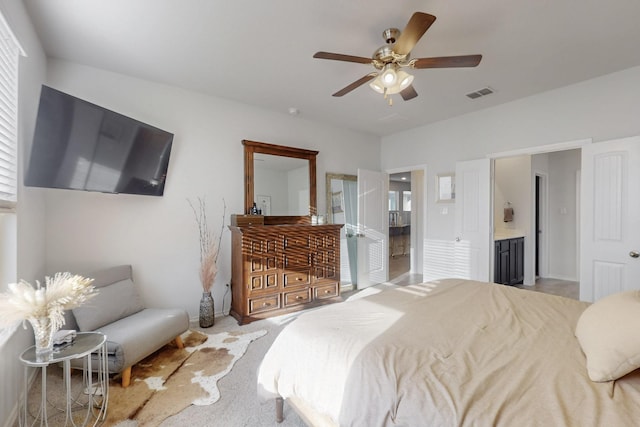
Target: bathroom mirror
{"points": [[281, 181]]}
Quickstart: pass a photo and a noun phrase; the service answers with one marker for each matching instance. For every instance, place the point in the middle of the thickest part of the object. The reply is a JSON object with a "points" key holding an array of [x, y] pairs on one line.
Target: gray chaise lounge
{"points": [[133, 331]]}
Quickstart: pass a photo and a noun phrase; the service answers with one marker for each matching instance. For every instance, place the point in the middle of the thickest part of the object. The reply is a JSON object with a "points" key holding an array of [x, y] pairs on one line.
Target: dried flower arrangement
{"points": [[61, 292], [209, 246]]}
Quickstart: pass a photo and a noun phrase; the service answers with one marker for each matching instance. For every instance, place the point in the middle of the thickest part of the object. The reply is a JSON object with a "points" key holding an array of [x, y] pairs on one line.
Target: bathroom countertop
{"points": [[507, 234]]}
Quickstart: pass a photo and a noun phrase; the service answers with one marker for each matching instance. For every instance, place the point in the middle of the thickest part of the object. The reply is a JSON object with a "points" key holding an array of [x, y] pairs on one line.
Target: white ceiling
{"points": [[260, 52]]}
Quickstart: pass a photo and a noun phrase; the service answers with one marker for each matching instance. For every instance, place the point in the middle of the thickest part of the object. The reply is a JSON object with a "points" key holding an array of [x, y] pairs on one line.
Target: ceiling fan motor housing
{"points": [[385, 54]]}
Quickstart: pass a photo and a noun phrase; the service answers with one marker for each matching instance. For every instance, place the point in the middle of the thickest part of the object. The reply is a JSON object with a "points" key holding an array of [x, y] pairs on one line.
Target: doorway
{"points": [[543, 192], [399, 225], [407, 264]]}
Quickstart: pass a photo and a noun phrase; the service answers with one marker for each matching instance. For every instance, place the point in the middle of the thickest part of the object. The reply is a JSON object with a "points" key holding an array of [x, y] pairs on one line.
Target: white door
{"points": [[373, 228], [610, 218], [472, 255]]}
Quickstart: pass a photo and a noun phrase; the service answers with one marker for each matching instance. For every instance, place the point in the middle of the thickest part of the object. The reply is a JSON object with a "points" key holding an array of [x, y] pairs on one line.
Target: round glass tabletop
{"points": [[83, 344]]}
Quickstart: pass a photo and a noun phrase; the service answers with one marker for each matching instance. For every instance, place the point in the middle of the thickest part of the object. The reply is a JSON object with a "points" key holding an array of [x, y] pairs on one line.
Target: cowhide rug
{"points": [[172, 379]]}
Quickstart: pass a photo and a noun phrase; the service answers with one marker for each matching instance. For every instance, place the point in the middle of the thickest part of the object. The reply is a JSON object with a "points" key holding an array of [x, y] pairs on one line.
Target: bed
{"points": [[458, 353]]}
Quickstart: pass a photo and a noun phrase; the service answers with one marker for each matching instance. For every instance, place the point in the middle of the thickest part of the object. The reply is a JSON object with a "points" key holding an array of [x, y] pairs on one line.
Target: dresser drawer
{"points": [[297, 240], [296, 278], [296, 259], [302, 296], [326, 291], [260, 305], [260, 282]]}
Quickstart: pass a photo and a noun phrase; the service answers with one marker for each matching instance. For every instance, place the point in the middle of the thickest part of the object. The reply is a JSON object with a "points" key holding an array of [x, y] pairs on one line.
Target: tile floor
{"points": [[399, 275], [563, 288]]}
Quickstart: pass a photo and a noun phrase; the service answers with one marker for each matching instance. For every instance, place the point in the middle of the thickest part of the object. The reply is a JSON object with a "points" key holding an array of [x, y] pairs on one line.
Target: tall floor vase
{"points": [[206, 310]]}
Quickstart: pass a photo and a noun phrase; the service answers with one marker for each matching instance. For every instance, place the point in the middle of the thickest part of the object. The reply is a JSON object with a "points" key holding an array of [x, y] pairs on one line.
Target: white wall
{"points": [[158, 235], [603, 108], [28, 222], [563, 214]]}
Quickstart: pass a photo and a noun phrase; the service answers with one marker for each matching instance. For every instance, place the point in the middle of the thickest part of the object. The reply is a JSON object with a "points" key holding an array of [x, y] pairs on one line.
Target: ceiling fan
{"points": [[391, 59]]}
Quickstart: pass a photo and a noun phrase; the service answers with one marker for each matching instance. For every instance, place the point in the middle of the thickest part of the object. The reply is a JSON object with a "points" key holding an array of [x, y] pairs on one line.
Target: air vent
{"points": [[482, 92]]}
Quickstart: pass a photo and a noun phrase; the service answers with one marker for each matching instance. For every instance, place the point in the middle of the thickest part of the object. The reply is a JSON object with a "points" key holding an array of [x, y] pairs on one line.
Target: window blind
{"points": [[9, 57]]}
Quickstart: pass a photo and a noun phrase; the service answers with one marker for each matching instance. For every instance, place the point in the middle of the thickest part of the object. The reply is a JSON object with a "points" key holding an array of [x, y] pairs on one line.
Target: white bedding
{"points": [[446, 353]]}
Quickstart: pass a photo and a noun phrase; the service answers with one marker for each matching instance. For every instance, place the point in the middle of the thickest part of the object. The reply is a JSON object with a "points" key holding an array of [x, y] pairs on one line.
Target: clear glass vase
{"points": [[206, 310], [43, 332]]}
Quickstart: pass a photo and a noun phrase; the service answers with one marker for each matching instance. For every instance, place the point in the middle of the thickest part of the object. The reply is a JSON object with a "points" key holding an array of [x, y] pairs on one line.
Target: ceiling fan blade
{"points": [[341, 57], [408, 93], [355, 84], [416, 27], [448, 61]]}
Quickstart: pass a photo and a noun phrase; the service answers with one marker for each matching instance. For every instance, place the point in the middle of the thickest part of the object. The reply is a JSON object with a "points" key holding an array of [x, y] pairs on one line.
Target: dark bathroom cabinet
{"points": [[509, 261]]}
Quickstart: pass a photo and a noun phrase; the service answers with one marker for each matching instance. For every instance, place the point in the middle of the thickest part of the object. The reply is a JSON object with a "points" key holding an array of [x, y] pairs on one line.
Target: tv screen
{"points": [[78, 145]]}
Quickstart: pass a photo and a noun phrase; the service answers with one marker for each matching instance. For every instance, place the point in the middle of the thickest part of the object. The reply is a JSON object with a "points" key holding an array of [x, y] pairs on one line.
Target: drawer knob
{"points": [[299, 279], [299, 297], [266, 304], [327, 291]]}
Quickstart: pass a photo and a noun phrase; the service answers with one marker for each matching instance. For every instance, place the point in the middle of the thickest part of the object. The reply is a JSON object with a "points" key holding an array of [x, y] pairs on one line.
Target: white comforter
{"points": [[446, 353]]}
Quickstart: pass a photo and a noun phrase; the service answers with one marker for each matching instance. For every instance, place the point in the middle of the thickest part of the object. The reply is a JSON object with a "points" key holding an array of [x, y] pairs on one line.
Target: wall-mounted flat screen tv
{"points": [[78, 145]]}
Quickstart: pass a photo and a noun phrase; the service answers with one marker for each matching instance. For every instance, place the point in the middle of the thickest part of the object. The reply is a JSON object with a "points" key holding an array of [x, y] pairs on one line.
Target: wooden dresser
{"points": [[282, 268]]}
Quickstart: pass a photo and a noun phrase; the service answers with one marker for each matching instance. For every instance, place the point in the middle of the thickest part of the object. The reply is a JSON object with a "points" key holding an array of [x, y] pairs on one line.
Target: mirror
{"points": [[445, 187], [342, 206], [281, 181]]}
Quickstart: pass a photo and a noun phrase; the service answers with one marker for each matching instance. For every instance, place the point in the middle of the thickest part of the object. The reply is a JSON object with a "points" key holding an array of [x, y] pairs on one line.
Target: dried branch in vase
{"points": [[209, 244]]}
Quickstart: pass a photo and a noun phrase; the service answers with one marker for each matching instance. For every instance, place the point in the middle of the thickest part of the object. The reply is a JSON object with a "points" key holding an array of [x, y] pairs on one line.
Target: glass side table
{"points": [[97, 390]]}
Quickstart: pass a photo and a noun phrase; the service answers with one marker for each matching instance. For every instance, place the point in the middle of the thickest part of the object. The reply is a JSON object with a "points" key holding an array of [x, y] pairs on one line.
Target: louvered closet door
{"points": [[610, 218]]}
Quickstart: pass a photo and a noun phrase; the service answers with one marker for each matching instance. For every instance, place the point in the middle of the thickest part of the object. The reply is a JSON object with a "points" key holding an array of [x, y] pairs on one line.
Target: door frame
{"points": [[543, 241], [419, 197], [540, 149]]}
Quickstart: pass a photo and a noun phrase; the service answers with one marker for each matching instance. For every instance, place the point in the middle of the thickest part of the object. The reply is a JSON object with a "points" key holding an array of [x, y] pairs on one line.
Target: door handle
{"points": [[634, 254]]}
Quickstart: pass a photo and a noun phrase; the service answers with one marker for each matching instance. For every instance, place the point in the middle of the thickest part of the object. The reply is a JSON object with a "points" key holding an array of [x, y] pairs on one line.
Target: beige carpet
{"points": [[172, 379], [239, 404]]}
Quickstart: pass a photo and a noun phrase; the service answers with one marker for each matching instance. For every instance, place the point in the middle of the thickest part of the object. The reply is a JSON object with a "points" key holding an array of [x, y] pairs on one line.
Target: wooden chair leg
{"points": [[279, 409], [179, 342], [126, 377]]}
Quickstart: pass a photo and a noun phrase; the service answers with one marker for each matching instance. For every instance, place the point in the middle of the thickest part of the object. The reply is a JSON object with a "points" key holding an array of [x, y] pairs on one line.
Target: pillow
{"points": [[112, 303], [608, 334]]}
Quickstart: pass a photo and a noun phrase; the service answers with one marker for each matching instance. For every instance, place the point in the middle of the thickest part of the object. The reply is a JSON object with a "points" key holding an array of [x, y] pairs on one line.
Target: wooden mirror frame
{"points": [[251, 147]]}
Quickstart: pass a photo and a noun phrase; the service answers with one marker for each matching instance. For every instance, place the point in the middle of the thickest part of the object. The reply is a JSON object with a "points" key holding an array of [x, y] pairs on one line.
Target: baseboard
{"points": [[346, 287], [560, 277], [12, 419], [215, 315]]}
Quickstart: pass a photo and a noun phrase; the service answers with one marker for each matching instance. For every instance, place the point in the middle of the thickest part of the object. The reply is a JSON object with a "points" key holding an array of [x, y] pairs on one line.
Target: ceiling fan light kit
{"points": [[402, 81], [389, 76], [390, 59]]}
